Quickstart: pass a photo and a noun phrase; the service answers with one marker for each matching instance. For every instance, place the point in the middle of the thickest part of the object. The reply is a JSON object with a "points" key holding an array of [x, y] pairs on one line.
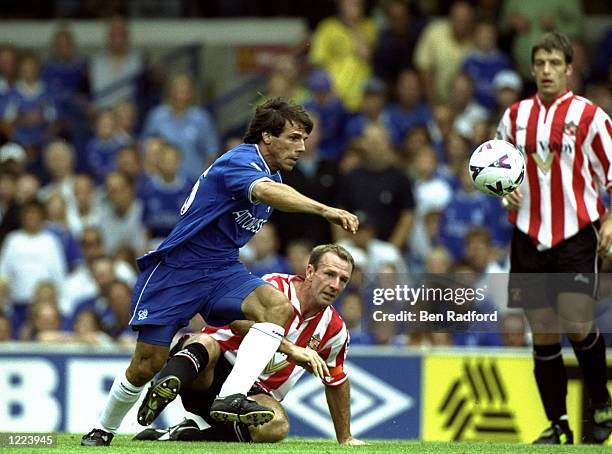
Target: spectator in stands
{"points": [[66, 74], [442, 46], [122, 215], [150, 150], [298, 252], [44, 323], [87, 281], [508, 88], [8, 76], [88, 329], [129, 164], [397, 40], [378, 253], [409, 111], [56, 223], [9, 211], [331, 113], [352, 313], [527, 21], [33, 109], [342, 45], [101, 151], [164, 193], [30, 255], [456, 150], [484, 63], [513, 330], [126, 117], [315, 177], [440, 127], [58, 158], [465, 108], [379, 189], [9, 64], [114, 72], [372, 111], [266, 245], [85, 210], [116, 323], [431, 193], [602, 60], [413, 141], [28, 186], [6, 330], [185, 125]]}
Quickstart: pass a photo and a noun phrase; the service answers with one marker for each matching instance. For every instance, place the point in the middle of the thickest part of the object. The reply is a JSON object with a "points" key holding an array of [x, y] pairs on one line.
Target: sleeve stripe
{"points": [[252, 185]]}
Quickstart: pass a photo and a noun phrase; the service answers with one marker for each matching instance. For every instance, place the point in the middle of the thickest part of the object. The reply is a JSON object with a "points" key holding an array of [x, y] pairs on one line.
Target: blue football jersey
{"points": [[219, 216]]}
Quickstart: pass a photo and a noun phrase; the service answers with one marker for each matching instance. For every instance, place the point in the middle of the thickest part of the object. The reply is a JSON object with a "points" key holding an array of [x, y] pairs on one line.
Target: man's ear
{"points": [[569, 70], [266, 137]]}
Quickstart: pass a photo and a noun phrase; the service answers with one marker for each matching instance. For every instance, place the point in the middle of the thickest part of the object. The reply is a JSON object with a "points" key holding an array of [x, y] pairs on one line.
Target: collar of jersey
{"points": [[559, 100], [262, 159]]}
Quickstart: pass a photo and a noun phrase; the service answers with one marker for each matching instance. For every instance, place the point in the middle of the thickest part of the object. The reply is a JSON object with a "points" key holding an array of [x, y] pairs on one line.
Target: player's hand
{"points": [[353, 442], [512, 201], [344, 219], [604, 247], [309, 360]]}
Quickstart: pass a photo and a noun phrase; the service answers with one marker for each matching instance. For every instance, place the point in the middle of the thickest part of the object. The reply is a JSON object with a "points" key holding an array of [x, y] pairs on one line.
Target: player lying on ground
{"points": [[200, 363]]}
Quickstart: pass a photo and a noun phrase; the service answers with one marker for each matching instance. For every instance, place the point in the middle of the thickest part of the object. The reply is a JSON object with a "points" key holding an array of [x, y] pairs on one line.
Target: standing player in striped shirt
{"points": [[315, 327], [560, 225]]}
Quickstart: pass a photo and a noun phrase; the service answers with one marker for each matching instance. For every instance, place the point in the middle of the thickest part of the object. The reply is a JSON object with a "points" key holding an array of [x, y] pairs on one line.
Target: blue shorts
{"points": [[166, 298]]}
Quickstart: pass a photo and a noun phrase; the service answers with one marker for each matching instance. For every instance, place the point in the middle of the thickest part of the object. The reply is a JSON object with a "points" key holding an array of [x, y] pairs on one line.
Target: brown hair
{"points": [[271, 117], [554, 41], [319, 251]]}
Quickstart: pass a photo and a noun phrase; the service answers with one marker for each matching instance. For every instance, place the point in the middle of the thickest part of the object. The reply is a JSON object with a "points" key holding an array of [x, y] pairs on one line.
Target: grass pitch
{"points": [[70, 443]]}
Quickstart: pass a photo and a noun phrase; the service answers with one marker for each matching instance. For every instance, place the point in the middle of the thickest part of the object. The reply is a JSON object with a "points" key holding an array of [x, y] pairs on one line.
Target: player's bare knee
{"points": [[210, 344]]}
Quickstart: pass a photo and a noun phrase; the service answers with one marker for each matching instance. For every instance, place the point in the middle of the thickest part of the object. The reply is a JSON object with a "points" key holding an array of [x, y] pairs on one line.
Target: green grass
{"points": [[70, 443]]}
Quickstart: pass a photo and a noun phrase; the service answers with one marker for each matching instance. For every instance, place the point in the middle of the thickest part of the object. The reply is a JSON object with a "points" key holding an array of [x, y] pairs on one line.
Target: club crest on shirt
{"points": [[314, 342], [570, 129]]}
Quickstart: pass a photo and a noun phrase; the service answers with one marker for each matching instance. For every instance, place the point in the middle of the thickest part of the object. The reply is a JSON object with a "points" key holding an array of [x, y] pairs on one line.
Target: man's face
{"points": [[329, 279], [285, 150], [550, 72]]}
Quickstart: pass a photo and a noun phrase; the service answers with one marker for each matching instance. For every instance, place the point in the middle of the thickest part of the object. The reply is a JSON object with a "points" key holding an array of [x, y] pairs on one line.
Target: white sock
{"points": [[121, 398], [256, 350]]}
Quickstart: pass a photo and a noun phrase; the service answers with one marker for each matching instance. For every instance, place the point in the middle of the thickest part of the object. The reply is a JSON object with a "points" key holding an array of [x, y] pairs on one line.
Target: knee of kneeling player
{"points": [[272, 432], [210, 344]]}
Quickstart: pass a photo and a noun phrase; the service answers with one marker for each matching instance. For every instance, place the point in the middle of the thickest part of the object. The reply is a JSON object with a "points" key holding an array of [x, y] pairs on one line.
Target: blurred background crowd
{"points": [[100, 149]]}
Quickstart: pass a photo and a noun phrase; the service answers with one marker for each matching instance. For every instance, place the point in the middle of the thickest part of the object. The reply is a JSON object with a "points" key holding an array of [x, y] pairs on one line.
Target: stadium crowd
{"points": [[95, 165]]}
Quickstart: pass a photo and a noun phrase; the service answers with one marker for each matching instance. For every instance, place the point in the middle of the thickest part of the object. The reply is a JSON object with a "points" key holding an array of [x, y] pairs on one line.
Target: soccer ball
{"points": [[497, 168]]}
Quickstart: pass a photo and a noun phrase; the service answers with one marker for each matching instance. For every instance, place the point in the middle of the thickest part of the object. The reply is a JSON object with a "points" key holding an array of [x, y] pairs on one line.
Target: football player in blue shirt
{"points": [[196, 270]]}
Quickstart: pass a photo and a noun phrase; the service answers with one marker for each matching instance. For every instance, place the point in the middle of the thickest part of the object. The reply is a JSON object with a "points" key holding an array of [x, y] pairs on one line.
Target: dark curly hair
{"points": [[271, 117]]}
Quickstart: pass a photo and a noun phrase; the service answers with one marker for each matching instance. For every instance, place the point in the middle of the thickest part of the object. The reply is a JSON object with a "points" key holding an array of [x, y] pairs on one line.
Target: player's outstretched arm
{"points": [[339, 403], [284, 198]]}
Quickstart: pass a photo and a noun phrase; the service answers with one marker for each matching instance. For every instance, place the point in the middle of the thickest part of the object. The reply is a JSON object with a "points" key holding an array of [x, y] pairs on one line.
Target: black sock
{"points": [[591, 355], [551, 378], [186, 364], [235, 431]]}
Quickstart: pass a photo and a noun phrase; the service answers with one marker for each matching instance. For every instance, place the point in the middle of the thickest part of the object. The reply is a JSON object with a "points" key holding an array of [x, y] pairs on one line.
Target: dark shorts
{"points": [[538, 277], [166, 298], [199, 402]]}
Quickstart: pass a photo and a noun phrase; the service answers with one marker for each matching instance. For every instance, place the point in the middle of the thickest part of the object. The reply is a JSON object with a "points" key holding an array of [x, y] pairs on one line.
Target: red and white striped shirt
{"points": [[568, 150], [324, 332]]}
